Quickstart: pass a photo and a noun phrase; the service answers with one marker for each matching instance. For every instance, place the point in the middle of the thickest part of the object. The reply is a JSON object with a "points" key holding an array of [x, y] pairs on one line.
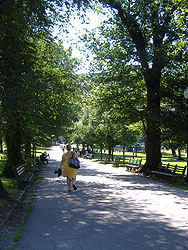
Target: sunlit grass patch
{"points": [[10, 186], [41, 150]]}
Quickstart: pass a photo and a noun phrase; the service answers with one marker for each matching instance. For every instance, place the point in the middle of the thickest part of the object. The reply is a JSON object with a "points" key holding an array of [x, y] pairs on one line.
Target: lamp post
{"points": [[186, 97]]}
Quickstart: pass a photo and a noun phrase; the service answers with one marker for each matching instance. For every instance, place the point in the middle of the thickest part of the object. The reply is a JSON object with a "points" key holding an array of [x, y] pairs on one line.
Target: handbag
{"points": [[74, 163]]}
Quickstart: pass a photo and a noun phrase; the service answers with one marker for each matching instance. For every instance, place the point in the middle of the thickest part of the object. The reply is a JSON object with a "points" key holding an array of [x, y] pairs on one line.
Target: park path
{"points": [[112, 209]]}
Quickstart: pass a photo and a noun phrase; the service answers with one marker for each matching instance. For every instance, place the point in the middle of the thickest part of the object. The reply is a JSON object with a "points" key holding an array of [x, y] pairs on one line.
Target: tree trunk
{"points": [[123, 154], [173, 152], [179, 154], [101, 146], [83, 148], [3, 192], [110, 152], [14, 156], [28, 148], [153, 151]]}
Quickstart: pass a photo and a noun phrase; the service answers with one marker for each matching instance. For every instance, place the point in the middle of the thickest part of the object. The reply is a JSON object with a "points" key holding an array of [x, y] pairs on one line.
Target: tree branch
{"points": [[134, 30]]}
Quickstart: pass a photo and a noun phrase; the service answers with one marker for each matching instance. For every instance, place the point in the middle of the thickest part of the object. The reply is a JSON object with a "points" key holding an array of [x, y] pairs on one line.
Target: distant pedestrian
{"points": [[69, 172]]}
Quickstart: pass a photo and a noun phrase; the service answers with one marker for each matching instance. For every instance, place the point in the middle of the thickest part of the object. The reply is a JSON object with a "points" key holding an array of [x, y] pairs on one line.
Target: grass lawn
{"points": [[41, 150], [11, 187], [166, 158]]}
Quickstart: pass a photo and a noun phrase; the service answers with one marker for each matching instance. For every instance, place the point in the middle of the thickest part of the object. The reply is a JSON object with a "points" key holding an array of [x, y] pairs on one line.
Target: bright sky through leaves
{"points": [[72, 38]]}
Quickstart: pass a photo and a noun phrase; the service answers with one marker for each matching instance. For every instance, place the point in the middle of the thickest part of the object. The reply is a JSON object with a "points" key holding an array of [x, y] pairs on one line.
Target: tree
{"points": [[152, 28], [173, 105], [18, 19], [37, 78]]}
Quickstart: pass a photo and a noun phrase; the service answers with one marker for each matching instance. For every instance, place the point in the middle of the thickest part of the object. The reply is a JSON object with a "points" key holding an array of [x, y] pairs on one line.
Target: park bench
{"points": [[116, 161], [133, 164], [172, 171], [23, 176], [36, 165]]}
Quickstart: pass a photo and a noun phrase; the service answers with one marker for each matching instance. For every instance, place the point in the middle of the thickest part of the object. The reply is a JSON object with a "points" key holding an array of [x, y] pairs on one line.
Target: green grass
{"points": [[41, 150], [39, 177], [166, 158], [10, 186], [183, 186], [17, 237], [29, 208]]}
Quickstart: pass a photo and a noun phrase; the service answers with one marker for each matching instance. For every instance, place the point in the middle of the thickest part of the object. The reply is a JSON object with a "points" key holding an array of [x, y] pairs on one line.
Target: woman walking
{"points": [[69, 172]]}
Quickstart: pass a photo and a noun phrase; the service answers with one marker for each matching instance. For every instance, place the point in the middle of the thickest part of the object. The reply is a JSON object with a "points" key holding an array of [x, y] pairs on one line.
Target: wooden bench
{"points": [[23, 176], [116, 161], [133, 164], [168, 170]]}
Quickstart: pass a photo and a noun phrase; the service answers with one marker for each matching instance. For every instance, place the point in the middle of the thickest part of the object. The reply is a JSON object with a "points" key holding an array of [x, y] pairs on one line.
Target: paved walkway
{"points": [[111, 210]]}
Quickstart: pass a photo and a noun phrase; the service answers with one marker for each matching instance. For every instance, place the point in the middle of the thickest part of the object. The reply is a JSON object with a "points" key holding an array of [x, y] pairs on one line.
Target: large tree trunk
{"points": [[14, 156], [3, 192], [28, 148], [101, 147], [153, 151]]}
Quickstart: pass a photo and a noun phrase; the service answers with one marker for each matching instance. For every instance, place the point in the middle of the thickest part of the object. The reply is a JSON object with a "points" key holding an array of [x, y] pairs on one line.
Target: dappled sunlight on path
{"points": [[112, 209]]}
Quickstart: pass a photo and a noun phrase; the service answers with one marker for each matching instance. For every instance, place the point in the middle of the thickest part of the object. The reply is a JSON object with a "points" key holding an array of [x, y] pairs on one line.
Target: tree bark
{"points": [[179, 154], [123, 154], [153, 143], [28, 148], [101, 147], [110, 152], [3, 192], [14, 156]]}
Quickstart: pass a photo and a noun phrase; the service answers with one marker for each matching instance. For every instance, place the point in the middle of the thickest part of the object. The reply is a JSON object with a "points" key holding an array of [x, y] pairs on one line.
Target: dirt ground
{"points": [[11, 215]]}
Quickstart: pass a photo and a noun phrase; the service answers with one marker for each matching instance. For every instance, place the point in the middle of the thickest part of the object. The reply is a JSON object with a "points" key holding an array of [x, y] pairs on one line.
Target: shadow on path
{"points": [[112, 209]]}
